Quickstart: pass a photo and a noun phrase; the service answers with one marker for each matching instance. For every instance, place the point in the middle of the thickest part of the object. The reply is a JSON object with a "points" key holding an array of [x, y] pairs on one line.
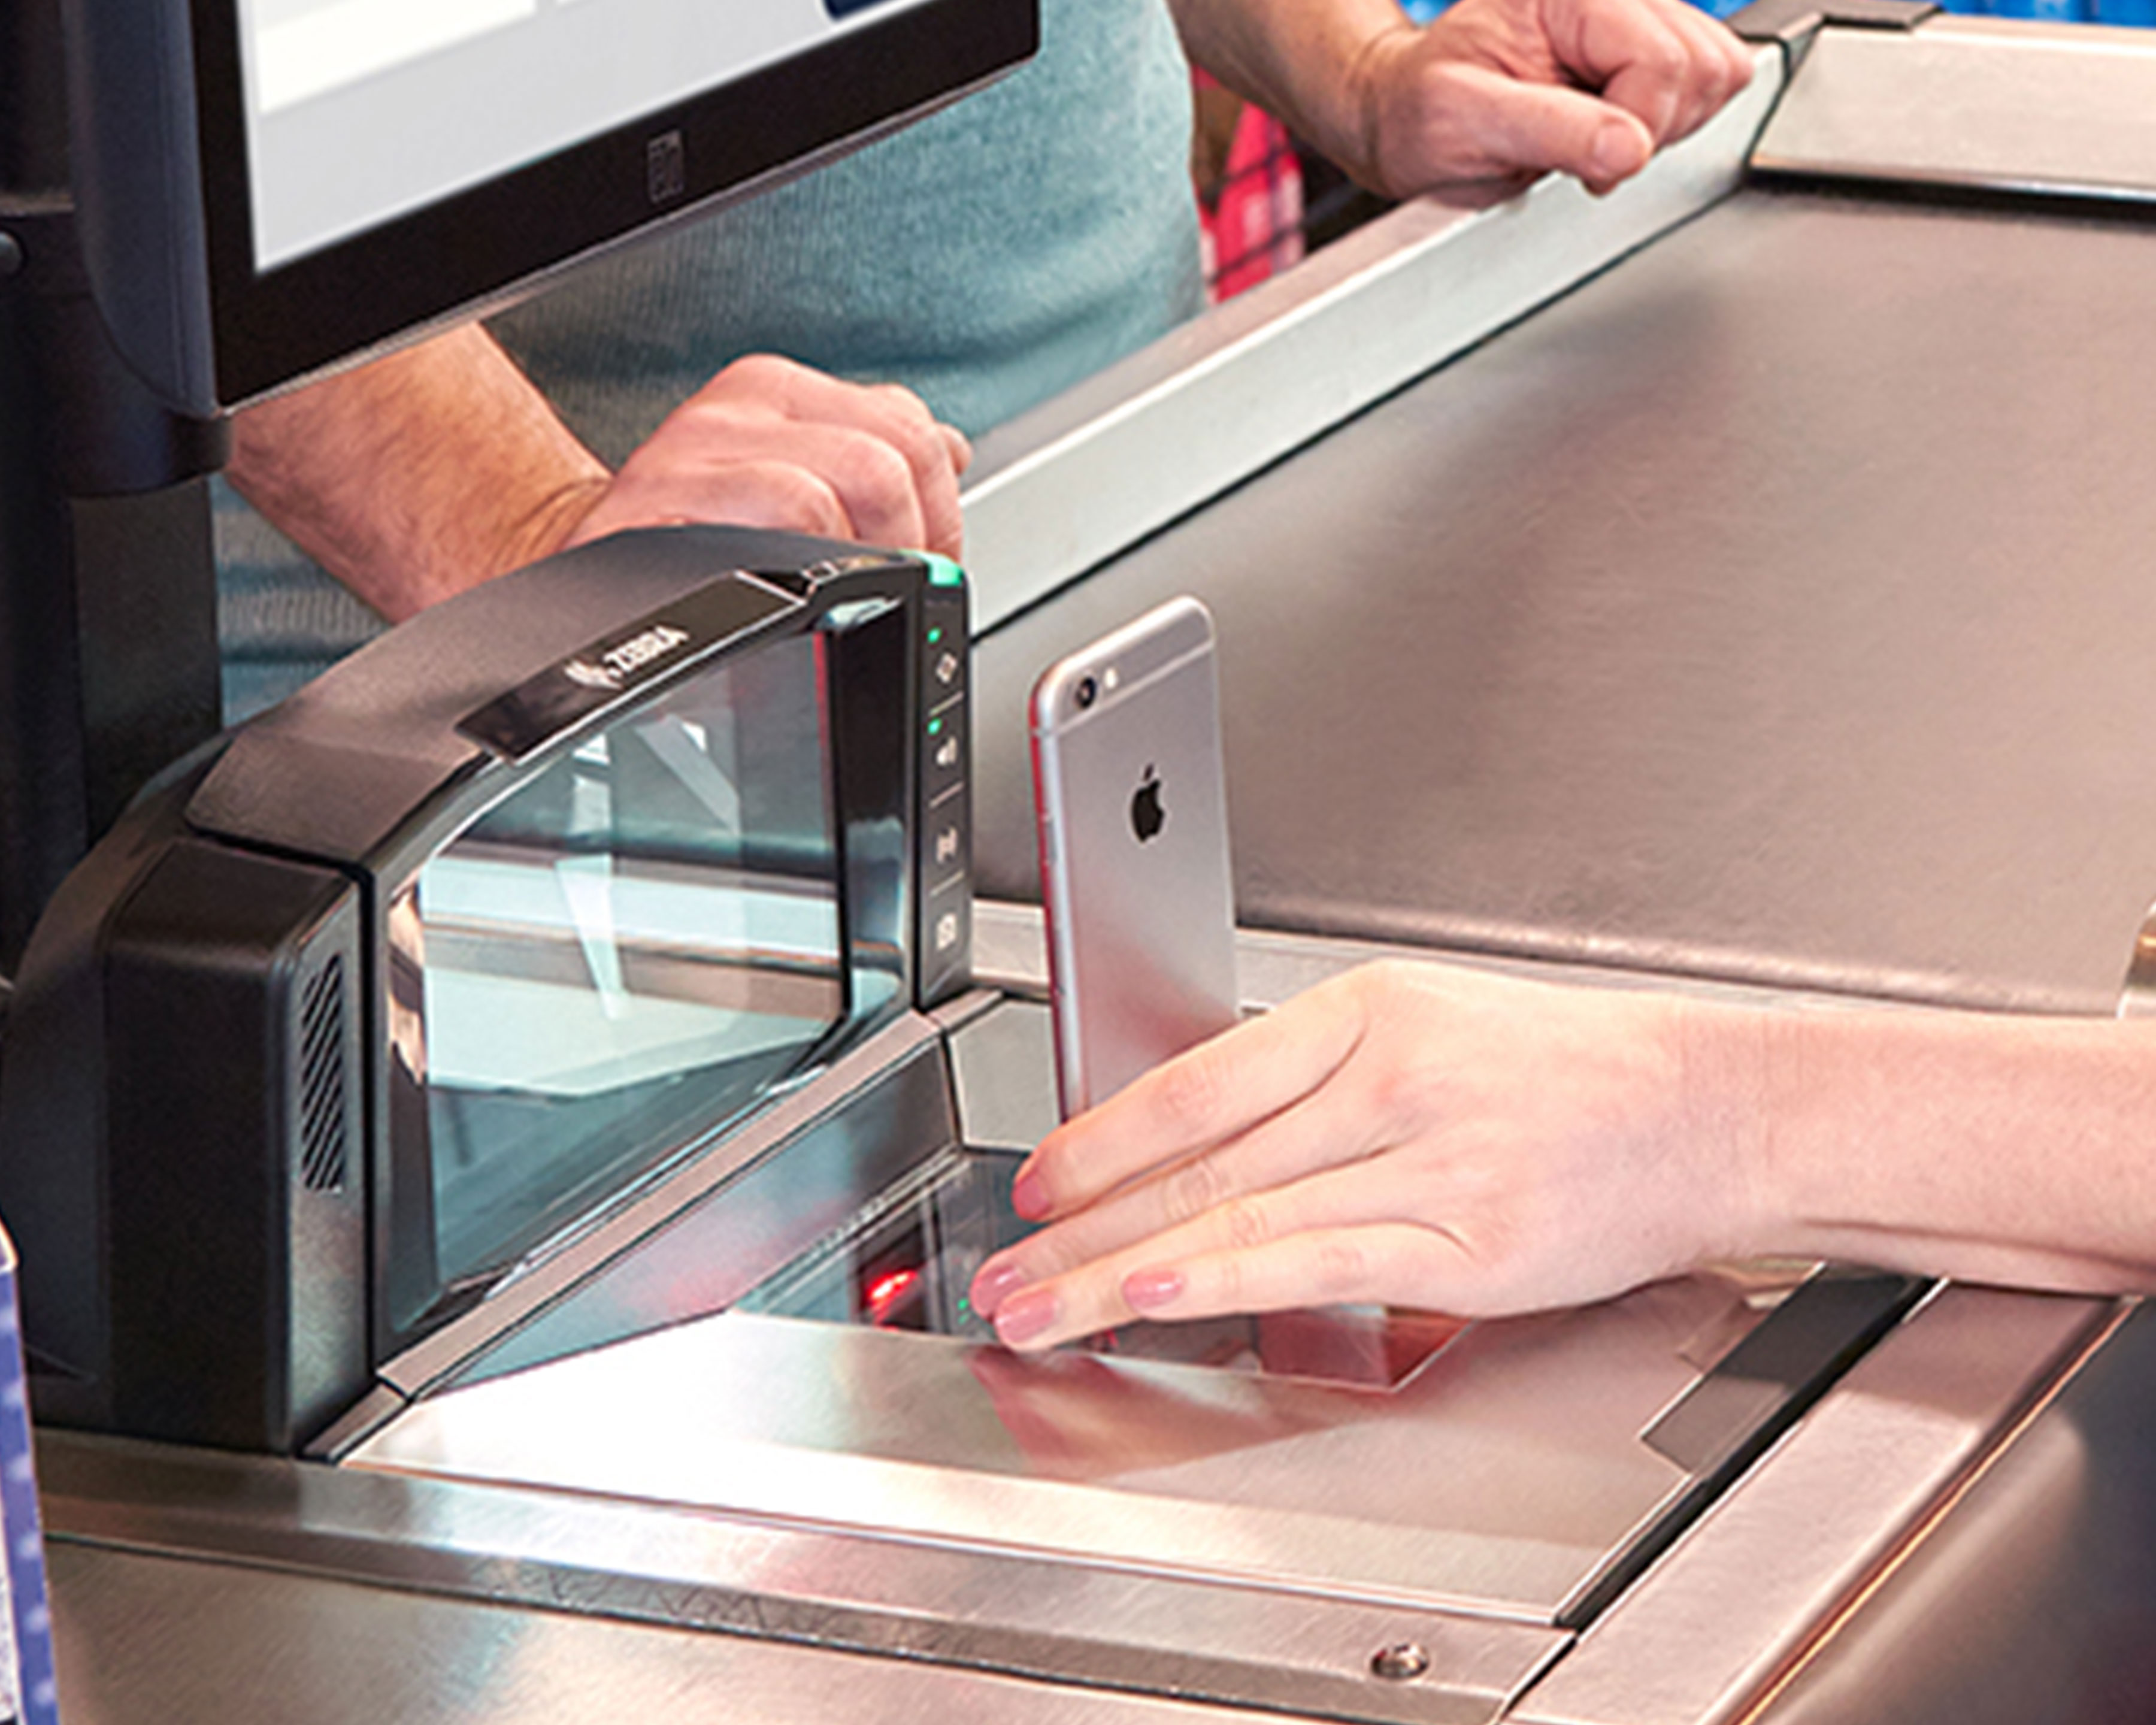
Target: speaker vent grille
{"points": [[322, 1099]]}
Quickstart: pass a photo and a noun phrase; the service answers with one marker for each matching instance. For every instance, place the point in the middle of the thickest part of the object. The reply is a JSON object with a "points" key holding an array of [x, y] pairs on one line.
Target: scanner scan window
{"points": [[908, 1258], [361, 110], [624, 954]]}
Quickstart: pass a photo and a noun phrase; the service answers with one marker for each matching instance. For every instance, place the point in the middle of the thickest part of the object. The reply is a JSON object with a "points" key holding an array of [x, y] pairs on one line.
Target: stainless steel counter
{"points": [[147, 1637], [2035, 1598], [1772, 608]]}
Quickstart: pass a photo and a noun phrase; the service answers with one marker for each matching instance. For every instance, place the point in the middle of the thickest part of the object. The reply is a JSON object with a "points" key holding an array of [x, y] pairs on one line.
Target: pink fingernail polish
{"points": [[1149, 1290], [995, 1284], [1025, 1316], [1030, 1196]]}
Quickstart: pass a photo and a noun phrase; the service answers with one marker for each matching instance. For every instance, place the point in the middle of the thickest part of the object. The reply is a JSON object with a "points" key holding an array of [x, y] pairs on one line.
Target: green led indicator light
{"points": [[935, 728], [942, 571], [935, 637]]}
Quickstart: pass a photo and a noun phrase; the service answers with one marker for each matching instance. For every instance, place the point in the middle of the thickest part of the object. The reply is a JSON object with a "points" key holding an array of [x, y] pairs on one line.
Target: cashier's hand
{"points": [[1410, 1134], [770, 443], [1500, 90]]}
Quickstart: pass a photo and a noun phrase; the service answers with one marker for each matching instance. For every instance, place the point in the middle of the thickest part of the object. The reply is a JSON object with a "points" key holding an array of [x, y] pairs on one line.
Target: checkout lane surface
{"points": [[1681, 627]]}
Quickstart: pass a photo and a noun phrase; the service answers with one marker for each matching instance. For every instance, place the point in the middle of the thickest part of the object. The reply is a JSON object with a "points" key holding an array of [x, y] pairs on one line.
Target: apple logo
{"points": [[1147, 817]]}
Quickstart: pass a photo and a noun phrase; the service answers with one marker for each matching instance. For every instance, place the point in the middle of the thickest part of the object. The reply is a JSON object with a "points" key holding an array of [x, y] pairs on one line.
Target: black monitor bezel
{"points": [[474, 249]]}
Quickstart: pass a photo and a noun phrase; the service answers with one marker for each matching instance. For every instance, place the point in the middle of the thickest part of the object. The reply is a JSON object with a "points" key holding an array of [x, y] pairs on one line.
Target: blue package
{"points": [[28, 1689]]}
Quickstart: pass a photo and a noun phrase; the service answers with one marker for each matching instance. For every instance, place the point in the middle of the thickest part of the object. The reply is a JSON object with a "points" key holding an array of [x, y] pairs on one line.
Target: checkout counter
{"points": [[1737, 584]]}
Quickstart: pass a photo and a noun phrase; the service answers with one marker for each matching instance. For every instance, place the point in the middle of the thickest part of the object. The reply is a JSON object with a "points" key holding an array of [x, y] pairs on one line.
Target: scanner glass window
{"points": [[625, 953], [907, 1259]]}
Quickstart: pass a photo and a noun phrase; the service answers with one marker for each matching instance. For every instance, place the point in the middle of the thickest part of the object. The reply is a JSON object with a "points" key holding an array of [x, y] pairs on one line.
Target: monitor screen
{"points": [[267, 187], [359, 111]]}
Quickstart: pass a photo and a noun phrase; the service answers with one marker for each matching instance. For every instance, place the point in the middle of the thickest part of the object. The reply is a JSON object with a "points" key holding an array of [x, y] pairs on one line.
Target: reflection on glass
{"points": [[905, 1262], [625, 953]]}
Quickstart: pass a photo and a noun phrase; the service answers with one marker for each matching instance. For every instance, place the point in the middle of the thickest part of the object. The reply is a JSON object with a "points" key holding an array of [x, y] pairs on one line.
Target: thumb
{"points": [[1517, 127]]}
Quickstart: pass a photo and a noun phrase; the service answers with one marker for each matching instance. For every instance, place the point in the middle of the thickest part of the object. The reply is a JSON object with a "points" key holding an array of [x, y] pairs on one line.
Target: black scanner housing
{"points": [[202, 1145]]}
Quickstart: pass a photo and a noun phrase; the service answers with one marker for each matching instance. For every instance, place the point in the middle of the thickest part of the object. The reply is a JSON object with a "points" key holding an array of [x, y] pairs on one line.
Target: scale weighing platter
{"points": [[1515, 1469]]}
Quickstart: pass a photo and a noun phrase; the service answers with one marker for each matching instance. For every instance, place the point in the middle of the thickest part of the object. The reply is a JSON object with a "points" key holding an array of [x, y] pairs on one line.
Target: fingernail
{"points": [[1030, 1196], [995, 1284], [1149, 1290], [1025, 1318]]}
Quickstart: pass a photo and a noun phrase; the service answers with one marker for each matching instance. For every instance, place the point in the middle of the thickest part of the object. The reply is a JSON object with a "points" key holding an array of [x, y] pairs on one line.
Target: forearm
{"points": [[419, 476], [1302, 60], [1998, 1148]]}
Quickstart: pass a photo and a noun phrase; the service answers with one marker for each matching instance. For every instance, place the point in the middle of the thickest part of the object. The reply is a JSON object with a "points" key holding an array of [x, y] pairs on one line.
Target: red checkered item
{"points": [[1254, 228]]}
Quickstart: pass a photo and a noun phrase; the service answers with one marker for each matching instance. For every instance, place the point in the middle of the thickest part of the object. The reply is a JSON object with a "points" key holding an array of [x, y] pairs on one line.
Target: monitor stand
{"points": [[108, 590]]}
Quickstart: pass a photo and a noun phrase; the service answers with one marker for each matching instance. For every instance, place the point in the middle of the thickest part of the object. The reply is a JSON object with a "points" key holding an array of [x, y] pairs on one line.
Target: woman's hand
{"points": [[1414, 1134]]}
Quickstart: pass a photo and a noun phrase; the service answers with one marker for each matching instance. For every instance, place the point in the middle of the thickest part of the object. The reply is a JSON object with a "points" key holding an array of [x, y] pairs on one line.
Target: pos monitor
{"points": [[266, 187], [237, 194]]}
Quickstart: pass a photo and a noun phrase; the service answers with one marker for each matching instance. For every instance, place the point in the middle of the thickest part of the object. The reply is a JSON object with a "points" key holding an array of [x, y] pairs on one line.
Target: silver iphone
{"points": [[1132, 807]]}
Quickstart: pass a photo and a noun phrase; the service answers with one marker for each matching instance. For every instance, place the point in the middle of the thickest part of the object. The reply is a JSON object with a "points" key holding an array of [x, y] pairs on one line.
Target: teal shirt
{"points": [[988, 257]]}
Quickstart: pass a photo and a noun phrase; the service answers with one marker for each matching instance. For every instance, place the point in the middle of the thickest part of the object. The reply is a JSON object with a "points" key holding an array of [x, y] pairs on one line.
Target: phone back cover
{"points": [[1143, 954]]}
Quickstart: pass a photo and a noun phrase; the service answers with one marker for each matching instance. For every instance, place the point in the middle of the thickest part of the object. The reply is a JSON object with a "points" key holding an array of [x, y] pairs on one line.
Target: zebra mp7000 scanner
{"points": [[371, 1003]]}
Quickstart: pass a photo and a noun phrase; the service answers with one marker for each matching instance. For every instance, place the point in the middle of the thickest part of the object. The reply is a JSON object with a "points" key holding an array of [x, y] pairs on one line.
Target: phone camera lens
{"points": [[1089, 691]]}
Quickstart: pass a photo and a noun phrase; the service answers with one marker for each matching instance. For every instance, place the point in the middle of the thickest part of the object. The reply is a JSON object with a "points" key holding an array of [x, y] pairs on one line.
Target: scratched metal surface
{"points": [[1773, 608]]}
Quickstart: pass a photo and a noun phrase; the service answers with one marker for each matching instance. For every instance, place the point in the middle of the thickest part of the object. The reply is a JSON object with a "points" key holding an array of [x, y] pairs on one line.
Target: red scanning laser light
{"points": [[887, 1291]]}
